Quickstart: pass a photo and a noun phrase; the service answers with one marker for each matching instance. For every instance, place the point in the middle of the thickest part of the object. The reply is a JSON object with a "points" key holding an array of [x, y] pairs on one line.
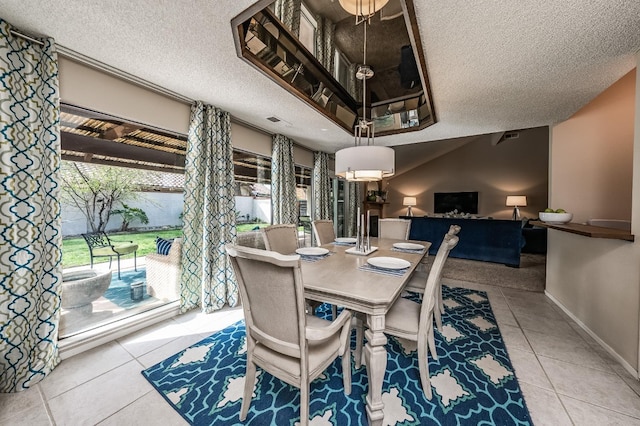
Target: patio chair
{"points": [[100, 245], [163, 272], [281, 338]]}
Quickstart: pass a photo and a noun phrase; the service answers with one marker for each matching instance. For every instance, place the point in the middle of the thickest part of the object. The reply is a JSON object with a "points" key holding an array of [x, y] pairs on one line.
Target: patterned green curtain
{"points": [[288, 11], [321, 186], [325, 48], [31, 228], [209, 212], [355, 200], [283, 182]]}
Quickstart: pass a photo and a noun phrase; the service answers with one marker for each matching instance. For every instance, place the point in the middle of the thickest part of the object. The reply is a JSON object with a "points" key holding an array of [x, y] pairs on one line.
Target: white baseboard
{"points": [[595, 337], [79, 343]]}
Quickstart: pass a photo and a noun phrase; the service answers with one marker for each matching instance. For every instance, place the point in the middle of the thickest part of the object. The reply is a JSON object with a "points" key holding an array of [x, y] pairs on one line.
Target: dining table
{"points": [[349, 280]]}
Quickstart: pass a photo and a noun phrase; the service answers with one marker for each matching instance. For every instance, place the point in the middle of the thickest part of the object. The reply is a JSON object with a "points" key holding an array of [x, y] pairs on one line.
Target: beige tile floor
{"points": [[566, 377]]}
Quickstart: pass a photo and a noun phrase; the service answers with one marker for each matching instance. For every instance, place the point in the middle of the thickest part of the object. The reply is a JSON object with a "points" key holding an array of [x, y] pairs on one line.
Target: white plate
{"points": [[345, 240], [312, 251], [408, 246], [388, 262]]}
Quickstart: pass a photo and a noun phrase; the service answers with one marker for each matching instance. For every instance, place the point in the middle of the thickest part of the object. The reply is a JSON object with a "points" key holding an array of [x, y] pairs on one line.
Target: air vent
{"points": [[279, 121], [511, 135]]}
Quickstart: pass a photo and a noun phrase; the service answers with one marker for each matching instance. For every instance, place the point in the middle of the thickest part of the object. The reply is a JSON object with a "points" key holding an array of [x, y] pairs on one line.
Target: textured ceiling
{"points": [[494, 65]]}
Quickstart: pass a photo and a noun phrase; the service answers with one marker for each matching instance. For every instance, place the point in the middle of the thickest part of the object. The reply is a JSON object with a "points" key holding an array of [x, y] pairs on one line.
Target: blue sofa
{"points": [[489, 240]]}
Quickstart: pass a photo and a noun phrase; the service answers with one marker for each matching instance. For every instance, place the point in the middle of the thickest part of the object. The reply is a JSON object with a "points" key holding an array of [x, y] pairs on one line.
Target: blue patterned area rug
{"points": [[473, 380]]}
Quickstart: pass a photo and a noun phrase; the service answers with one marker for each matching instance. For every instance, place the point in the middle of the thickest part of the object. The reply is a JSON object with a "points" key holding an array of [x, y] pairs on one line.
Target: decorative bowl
{"points": [[556, 218]]}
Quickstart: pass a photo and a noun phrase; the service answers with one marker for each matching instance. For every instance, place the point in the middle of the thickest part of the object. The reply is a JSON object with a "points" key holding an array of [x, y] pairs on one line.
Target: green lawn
{"points": [[76, 253]]}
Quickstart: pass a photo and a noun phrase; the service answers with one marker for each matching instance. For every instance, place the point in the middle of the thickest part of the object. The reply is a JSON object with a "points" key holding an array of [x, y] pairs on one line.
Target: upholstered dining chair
{"points": [[397, 229], [416, 283], [413, 321], [323, 231], [281, 338], [324, 234], [284, 240], [281, 238]]}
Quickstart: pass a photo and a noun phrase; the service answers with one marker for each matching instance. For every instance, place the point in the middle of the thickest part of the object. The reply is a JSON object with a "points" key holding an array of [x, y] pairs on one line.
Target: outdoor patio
{"points": [[117, 303]]}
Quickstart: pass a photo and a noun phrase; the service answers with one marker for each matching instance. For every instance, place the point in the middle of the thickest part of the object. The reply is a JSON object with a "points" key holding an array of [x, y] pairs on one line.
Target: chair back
{"points": [[96, 239], [272, 296], [454, 230], [175, 252], [323, 231], [281, 238], [398, 229], [433, 281]]}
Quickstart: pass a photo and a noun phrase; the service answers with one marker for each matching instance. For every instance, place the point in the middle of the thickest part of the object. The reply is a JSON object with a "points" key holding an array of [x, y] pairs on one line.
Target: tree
{"points": [[129, 214], [95, 192]]}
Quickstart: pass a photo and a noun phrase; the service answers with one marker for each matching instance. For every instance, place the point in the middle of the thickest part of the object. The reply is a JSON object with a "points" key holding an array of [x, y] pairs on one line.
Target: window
{"points": [[253, 188], [308, 30], [149, 162], [341, 71], [103, 156]]}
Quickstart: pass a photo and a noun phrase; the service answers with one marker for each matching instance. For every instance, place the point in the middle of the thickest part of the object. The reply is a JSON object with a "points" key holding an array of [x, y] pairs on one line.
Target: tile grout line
{"points": [[45, 401], [611, 370], [535, 354]]}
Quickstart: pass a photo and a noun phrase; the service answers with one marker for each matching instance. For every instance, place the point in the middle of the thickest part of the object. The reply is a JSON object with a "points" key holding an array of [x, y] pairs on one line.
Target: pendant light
{"points": [[364, 162]]}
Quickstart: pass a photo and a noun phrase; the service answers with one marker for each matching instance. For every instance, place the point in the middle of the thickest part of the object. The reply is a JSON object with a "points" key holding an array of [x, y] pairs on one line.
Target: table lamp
{"points": [[409, 202], [516, 201]]}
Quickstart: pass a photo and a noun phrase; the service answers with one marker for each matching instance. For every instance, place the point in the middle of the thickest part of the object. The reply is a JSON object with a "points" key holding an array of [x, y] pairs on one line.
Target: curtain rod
{"points": [[26, 37]]}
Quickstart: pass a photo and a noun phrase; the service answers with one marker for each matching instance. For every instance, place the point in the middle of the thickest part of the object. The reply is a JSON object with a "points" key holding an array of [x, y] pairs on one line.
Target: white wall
{"points": [[162, 209], [255, 207]]}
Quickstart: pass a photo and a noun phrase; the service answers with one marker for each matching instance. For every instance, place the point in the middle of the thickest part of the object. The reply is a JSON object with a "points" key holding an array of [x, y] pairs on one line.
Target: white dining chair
{"points": [[281, 238], [413, 321], [281, 338], [323, 231], [397, 229], [284, 240], [417, 282], [325, 234]]}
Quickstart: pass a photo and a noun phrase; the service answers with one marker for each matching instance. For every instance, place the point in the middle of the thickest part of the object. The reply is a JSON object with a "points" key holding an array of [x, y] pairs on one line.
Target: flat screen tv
{"points": [[464, 202]]}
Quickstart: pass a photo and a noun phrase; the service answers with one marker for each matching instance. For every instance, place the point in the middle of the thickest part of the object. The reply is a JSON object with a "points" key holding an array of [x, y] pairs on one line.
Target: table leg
{"points": [[376, 359], [359, 326]]}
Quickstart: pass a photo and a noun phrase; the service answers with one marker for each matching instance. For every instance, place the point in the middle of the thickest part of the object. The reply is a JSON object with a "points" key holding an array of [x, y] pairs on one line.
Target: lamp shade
{"points": [[362, 7], [516, 200], [409, 201], [365, 163]]}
